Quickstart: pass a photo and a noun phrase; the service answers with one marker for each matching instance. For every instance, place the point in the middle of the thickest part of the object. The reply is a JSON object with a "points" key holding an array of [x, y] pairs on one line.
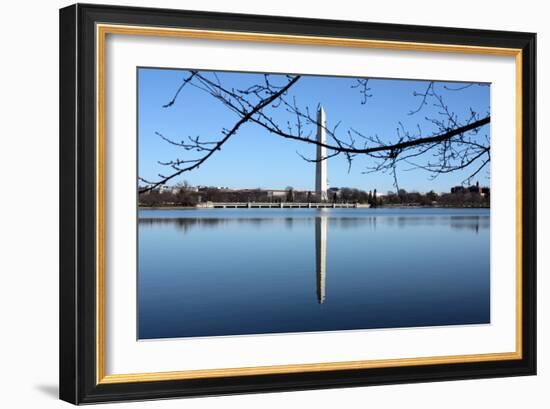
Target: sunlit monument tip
{"points": [[321, 164]]}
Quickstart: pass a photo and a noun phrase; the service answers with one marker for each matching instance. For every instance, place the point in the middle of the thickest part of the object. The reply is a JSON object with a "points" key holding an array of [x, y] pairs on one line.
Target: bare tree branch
{"points": [[263, 103], [454, 145]]}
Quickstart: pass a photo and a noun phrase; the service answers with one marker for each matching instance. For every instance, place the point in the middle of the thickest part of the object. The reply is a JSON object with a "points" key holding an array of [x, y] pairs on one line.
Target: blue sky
{"points": [[255, 158]]}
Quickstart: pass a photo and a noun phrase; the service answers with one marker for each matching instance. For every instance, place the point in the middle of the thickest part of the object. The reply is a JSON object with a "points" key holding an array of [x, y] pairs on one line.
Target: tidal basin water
{"points": [[217, 272]]}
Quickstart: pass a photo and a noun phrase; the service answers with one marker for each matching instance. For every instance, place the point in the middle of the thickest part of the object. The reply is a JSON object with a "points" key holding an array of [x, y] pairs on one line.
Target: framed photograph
{"points": [[258, 203]]}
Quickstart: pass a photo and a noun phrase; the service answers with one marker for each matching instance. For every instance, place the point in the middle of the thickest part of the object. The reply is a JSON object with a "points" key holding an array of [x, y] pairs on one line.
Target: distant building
{"points": [[484, 191], [276, 194], [333, 193], [475, 189]]}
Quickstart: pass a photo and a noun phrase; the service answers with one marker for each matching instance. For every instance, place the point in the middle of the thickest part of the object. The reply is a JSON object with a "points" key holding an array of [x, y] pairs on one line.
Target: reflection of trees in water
{"points": [[320, 225], [461, 222], [187, 223], [454, 222], [471, 223], [289, 222]]}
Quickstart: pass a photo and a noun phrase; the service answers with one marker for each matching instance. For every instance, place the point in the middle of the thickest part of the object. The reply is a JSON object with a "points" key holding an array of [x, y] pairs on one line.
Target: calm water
{"points": [[250, 271]]}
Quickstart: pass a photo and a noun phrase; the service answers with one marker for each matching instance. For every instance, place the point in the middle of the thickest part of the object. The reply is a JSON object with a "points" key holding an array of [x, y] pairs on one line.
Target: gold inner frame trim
{"points": [[101, 33]]}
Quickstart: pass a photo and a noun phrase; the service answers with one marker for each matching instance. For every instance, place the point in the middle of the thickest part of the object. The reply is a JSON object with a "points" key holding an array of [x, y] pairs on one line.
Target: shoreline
{"points": [[352, 208]]}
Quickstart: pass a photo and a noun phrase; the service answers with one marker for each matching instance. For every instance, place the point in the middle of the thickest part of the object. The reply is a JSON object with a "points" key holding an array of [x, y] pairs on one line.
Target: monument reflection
{"points": [[473, 223], [321, 225]]}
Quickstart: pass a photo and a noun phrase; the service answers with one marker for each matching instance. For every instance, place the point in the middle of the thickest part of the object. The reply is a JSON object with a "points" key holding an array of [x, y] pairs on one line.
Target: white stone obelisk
{"points": [[321, 164]]}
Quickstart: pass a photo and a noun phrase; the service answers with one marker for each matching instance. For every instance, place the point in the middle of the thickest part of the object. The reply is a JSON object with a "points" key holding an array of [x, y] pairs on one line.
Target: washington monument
{"points": [[321, 193], [321, 164]]}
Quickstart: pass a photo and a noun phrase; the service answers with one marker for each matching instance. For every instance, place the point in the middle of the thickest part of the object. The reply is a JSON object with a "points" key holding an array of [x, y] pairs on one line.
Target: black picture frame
{"points": [[78, 312]]}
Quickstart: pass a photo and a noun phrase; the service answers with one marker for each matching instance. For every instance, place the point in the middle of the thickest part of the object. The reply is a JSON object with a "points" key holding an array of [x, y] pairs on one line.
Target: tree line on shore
{"points": [[185, 196]]}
